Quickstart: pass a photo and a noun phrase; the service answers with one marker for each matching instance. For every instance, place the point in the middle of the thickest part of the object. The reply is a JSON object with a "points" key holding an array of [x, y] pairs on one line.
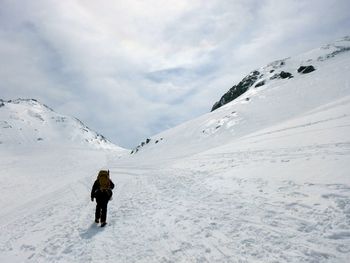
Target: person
{"points": [[102, 192]]}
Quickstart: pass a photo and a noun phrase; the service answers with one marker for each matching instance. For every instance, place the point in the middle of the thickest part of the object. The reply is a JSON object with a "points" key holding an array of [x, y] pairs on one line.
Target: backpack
{"points": [[105, 185], [103, 180]]}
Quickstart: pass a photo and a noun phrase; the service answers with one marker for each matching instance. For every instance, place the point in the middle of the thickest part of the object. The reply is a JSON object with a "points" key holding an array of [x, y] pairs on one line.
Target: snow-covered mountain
{"points": [[262, 178], [284, 69], [28, 122], [274, 93]]}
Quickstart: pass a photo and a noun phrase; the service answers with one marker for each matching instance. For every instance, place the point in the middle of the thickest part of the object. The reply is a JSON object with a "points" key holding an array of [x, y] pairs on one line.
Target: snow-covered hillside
{"points": [[41, 151], [28, 122], [262, 105], [264, 178]]}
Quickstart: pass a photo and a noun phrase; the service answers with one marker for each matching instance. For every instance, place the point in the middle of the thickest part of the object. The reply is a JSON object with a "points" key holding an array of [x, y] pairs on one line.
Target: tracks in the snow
{"points": [[186, 213]]}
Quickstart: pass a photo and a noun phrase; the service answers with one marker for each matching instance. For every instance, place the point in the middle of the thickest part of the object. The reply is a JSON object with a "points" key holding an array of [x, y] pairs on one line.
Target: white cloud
{"points": [[132, 68]]}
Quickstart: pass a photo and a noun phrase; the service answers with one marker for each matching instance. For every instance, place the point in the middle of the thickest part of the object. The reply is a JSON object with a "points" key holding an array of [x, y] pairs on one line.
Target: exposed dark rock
{"points": [[306, 69], [282, 75], [217, 104], [142, 144], [39, 139], [285, 75], [237, 90], [260, 83], [247, 99], [272, 70]]}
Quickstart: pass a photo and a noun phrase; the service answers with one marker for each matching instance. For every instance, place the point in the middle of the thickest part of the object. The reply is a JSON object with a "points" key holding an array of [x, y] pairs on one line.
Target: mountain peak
{"points": [[29, 122]]}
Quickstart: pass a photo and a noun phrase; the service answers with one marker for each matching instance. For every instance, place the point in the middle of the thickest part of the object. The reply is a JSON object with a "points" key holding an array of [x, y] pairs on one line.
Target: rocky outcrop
{"points": [[237, 90], [282, 75], [142, 144], [284, 69], [259, 84], [306, 69]]}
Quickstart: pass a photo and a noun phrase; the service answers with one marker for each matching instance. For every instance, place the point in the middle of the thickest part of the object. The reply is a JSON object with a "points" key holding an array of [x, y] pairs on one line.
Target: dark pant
{"points": [[101, 207], [101, 211]]}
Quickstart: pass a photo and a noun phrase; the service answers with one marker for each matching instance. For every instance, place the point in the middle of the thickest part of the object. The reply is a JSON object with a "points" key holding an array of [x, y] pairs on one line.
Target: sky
{"points": [[131, 69]]}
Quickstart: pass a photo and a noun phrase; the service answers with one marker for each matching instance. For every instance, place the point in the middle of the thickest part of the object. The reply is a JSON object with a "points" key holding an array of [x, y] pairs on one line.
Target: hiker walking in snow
{"points": [[102, 191]]}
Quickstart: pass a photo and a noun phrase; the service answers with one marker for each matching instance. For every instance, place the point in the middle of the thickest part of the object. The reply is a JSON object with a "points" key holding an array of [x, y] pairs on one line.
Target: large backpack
{"points": [[103, 180]]}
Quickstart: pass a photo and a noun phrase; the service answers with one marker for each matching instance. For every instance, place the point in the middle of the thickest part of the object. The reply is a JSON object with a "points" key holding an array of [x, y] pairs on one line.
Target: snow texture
{"points": [[258, 180]]}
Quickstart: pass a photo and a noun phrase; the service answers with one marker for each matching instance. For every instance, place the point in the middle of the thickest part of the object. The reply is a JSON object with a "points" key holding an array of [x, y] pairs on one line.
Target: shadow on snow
{"points": [[91, 231]]}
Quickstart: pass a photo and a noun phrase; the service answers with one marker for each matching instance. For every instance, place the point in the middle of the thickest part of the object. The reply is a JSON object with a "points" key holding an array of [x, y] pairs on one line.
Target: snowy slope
{"points": [[42, 151], [28, 122], [263, 106], [258, 180], [281, 194]]}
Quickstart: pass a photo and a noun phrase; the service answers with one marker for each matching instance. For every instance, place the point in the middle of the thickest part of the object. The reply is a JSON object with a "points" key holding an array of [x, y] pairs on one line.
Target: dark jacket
{"points": [[96, 189]]}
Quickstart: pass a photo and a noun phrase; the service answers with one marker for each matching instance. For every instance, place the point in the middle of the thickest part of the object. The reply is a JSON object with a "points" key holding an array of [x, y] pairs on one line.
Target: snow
{"points": [[270, 184], [278, 100], [30, 123]]}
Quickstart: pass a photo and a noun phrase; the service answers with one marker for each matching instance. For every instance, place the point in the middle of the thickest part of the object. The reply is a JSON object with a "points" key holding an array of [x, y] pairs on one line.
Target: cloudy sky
{"points": [[130, 69]]}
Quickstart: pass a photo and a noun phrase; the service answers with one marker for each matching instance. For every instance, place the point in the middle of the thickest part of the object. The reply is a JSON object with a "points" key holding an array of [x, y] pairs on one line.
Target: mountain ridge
{"points": [[258, 78], [30, 122], [278, 91]]}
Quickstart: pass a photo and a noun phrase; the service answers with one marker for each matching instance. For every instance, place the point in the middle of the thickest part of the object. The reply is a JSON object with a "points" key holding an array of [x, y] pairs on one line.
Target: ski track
{"points": [[195, 213]]}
